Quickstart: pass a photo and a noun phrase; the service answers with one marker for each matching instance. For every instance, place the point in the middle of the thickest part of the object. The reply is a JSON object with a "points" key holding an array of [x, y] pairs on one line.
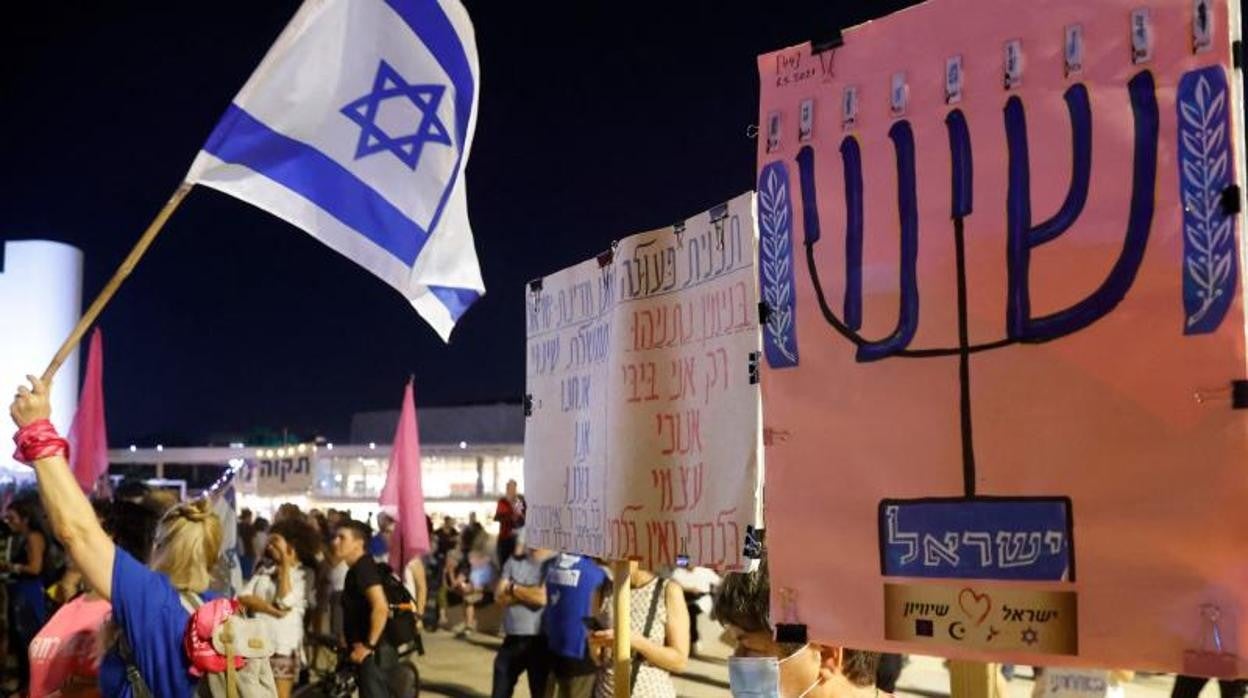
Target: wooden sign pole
{"points": [[88, 318], [622, 576], [973, 680]]}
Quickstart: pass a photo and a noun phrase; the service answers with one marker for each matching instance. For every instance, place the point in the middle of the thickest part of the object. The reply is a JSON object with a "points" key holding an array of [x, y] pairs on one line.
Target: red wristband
{"points": [[39, 440]]}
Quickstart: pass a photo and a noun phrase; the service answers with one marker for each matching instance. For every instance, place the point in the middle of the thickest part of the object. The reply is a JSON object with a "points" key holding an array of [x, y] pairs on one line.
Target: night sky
{"points": [[596, 120]]}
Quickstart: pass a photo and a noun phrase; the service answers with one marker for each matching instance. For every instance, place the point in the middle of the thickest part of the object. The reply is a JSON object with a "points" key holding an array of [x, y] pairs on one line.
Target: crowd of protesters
{"points": [[134, 574], [104, 597]]}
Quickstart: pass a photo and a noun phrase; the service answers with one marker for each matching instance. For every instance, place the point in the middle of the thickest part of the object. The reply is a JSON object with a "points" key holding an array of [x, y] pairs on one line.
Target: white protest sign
{"points": [[642, 439]]}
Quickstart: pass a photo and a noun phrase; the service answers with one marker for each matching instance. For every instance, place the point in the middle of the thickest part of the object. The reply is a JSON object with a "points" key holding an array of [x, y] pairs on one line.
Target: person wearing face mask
{"points": [[761, 667]]}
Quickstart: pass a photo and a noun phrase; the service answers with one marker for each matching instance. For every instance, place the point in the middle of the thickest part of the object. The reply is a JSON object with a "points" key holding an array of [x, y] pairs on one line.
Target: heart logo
{"points": [[976, 606]]}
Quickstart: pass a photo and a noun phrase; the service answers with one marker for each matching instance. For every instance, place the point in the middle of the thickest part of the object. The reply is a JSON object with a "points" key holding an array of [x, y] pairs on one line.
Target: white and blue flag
{"points": [[356, 127]]}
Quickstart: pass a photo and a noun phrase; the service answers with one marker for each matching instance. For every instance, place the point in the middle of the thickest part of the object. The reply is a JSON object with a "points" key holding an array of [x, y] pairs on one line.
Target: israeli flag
{"points": [[356, 128]]}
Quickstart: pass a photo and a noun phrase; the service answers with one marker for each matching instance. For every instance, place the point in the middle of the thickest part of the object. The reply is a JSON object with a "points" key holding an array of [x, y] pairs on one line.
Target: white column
{"points": [[40, 301]]}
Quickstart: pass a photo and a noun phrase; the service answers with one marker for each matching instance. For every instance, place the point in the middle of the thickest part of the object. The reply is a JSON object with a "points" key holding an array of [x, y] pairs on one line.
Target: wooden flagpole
{"points": [[622, 572], [973, 679], [127, 265]]}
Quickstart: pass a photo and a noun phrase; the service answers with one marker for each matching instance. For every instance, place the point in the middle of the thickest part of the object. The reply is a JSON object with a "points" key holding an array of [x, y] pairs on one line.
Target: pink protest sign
{"points": [[1001, 255]]}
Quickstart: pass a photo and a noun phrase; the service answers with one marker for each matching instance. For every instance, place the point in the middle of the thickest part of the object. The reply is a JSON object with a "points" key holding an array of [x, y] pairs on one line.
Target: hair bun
{"points": [[195, 511]]}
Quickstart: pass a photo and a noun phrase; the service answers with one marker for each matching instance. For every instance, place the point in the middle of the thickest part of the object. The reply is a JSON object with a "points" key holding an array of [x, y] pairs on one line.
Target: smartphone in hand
{"points": [[595, 623]]}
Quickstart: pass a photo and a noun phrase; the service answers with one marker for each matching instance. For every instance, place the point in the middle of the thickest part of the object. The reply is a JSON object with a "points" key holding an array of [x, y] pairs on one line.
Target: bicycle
{"points": [[339, 681]]}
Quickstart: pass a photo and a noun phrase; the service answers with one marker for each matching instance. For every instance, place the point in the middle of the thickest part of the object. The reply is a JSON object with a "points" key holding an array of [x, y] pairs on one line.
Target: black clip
{"points": [[791, 633], [754, 538], [678, 229], [827, 42], [528, 404], [1239, 394], [535, 290], [1237, 54], [605, 258], [1230, 200], [719, 214], [755, 359], [764, 313]]}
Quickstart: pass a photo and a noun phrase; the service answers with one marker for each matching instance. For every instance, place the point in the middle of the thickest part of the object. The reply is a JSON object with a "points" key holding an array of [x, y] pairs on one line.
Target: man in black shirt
{"points": [[364, 612], [471, 537]]}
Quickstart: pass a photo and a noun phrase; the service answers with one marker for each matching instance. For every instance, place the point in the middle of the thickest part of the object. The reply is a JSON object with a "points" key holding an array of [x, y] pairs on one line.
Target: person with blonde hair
{"points": [[151, 607]]}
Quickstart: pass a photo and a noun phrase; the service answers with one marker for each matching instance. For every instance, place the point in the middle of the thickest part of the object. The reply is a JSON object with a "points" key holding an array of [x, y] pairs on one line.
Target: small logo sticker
{"points": [[806, 120], [773, 132], [1013, 64], [899, 95], [1202, 26], [1074, 49], [953, 79], [849, 107], [1141, 36]]}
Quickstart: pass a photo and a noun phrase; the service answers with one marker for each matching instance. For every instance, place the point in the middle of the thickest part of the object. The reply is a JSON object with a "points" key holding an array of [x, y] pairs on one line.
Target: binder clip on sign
{"points": [[791, 631], [1211, 659]]}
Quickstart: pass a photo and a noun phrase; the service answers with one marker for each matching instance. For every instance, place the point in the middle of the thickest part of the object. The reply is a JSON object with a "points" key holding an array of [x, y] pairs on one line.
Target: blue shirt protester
{"points": [[571, 581], [149, 611]]}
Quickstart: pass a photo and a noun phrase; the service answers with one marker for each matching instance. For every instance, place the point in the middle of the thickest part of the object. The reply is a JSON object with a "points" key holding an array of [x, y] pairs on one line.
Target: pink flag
{"points": [[87, 435], [403, 494]]}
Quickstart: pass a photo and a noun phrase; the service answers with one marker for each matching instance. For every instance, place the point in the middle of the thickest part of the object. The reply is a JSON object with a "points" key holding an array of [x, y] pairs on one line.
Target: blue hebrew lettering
{"points": [[1209, 264], [961, 172], [775, 224], [851, 164], [907, 205], [1023, 236], [1014, 539]]}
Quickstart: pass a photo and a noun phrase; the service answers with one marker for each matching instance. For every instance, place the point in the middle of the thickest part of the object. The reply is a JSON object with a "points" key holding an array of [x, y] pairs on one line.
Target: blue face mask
{"points": [[759, 677], [754, 677]]}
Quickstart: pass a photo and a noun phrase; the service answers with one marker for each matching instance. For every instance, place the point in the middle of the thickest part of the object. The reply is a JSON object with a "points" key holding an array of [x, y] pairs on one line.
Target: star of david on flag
{"points": [[373, 139], [356, 127]]}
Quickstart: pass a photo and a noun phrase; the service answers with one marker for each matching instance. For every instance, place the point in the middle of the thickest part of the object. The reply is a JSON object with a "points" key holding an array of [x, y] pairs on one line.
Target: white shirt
{"points": [[288, 630], [338, 576], [697, 580]]}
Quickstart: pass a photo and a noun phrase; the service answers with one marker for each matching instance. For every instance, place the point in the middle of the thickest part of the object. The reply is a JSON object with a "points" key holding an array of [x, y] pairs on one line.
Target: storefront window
{"points": [[450, 474]]}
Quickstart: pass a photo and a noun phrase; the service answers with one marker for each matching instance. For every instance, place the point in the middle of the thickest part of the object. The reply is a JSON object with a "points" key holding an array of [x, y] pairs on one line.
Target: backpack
{"points": [[401, 626], [229, 652]]}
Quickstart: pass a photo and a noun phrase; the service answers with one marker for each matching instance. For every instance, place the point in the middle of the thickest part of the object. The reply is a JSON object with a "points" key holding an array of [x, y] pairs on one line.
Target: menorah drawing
{"points": [[977, 535]]}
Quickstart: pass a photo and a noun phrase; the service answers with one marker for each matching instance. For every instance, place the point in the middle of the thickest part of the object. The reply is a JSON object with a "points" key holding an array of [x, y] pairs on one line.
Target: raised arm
{"points": [[73, 520]]}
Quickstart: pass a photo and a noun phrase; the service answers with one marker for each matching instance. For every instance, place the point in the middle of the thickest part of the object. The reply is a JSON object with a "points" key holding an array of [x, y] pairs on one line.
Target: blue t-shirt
{"points": [[570, 584], [149, 611], [377, 547]]}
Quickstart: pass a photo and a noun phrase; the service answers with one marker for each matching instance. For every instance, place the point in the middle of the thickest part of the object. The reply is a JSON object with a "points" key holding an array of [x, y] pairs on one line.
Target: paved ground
{"points": [[463, 668]]}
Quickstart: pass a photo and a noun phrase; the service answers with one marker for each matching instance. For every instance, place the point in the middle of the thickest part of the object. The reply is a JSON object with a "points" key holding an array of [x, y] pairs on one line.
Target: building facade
{"points": [[467, 456]]}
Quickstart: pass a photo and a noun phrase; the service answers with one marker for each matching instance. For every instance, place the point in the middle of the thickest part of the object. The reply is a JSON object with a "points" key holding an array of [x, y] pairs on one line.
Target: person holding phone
{"points": [[573, 592], [522, 594], [659, 633]]}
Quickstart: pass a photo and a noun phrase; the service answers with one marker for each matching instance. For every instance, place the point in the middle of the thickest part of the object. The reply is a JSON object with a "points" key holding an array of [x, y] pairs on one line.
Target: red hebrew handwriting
{"points": [[642, 443]]}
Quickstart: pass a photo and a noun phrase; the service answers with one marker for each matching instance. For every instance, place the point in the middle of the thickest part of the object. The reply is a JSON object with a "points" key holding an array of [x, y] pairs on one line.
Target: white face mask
{"points": [[759, 677]]}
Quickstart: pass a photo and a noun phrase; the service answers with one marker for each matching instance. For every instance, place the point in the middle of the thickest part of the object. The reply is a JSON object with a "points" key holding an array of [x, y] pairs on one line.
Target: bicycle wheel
{"points": [[406, 681]]}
